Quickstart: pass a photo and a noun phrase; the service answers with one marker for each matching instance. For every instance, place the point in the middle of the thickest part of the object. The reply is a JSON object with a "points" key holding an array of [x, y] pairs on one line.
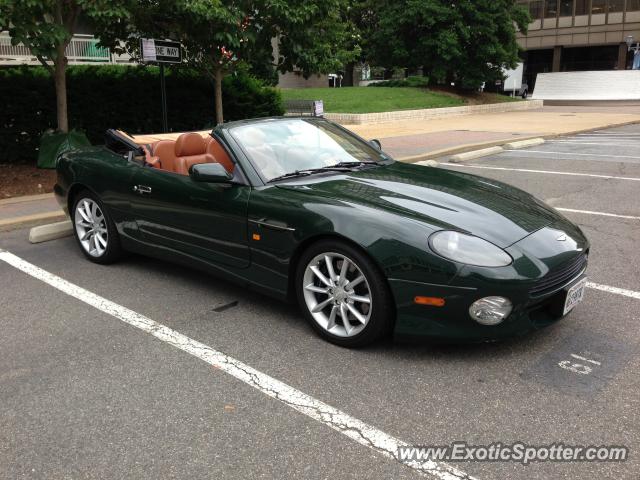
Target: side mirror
{"points": [[209, 172], [375, 143]]}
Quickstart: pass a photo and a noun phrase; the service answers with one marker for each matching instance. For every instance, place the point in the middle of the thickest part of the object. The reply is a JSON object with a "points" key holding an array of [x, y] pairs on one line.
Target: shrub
{"points": [[419, 82], [114, 96]]}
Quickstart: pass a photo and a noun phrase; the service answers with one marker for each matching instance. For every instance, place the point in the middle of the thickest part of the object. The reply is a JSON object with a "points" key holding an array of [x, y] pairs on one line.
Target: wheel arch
{"points": [[73, 192]]}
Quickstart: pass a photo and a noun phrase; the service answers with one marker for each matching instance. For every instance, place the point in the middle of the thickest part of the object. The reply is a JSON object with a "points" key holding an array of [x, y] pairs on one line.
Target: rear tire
{"points": [[94, 230], [343, 294]]}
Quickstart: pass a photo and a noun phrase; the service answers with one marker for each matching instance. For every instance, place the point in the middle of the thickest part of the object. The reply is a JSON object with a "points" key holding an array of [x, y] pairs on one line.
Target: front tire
{"points": [[94, 230], [343, 294]]}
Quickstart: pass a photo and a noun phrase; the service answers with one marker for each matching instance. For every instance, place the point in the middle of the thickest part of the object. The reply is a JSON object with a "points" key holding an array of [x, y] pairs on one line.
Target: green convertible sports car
{"points": [[301, 208]]}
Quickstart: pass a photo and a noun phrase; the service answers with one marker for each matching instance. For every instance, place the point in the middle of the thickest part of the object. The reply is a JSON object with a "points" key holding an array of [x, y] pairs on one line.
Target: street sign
{"points": [[160, 51], [318, 108]]}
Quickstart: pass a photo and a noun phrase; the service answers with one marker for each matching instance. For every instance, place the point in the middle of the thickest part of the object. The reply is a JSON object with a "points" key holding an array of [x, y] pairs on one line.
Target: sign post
{"points": [[161, 52], [163, 99]]}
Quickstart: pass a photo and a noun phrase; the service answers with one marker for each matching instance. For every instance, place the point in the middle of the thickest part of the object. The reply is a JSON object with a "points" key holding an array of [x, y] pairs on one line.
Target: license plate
{"points": [[575, 294]]}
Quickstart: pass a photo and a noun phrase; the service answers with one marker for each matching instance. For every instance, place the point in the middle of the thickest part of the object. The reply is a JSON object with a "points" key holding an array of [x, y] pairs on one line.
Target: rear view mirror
{"points": [[209, 172], [375, 143]]}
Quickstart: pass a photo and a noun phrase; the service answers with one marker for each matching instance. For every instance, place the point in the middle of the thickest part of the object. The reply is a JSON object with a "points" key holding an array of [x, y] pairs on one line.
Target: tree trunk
{"points": [[60, 78], [218, 75], [349, 80]]}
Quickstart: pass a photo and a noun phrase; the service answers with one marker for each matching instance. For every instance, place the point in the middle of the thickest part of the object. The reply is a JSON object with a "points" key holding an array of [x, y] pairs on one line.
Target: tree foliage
{"points": [[220, 35], [467, 41]]}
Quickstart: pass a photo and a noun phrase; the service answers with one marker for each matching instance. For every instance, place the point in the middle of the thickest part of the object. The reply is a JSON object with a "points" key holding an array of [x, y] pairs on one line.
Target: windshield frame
{"points": [[257, 176]]}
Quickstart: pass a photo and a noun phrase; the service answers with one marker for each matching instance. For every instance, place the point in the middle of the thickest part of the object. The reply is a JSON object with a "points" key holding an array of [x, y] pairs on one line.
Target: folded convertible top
{"points": [[154, 137]]}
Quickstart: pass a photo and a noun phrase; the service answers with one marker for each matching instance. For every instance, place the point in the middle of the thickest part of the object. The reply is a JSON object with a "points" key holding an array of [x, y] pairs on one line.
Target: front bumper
{"points": [[452, 321]]}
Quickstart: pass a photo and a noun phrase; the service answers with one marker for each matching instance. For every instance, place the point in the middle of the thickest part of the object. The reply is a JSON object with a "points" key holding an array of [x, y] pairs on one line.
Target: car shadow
{"points": [[192, 277], [412, 350]]}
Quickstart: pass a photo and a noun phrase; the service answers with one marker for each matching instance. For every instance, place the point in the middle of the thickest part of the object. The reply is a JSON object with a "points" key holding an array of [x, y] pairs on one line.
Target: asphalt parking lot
{"points": [[85, 394]]}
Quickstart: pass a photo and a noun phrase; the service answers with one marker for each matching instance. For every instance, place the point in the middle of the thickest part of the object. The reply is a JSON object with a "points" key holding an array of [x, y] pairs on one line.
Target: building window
{"points": [[582, 7], [535, 9], [598, 6], [589, 58], [633, 5], [616, 6], [566, 8], [551, 9]]}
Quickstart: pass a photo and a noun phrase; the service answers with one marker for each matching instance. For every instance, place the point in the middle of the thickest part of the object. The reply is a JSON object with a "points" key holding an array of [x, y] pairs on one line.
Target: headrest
{"points": [[163, 147], [189, 144]]}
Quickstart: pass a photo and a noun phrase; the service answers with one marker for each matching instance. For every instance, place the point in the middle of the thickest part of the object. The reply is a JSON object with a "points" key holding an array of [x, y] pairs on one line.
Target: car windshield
{"points": [[292, 146]]}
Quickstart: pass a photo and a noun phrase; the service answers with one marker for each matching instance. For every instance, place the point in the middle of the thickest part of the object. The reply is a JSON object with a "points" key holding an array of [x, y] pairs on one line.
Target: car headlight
{"points": [[468, 249]]}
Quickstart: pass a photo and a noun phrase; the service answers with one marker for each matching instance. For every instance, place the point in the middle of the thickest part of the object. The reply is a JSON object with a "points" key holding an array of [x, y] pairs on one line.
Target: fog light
{"points": [[490, 310]]}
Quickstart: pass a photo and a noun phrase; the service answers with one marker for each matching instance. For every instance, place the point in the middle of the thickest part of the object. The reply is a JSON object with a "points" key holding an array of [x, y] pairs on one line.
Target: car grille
{"points": [[559, 276]]}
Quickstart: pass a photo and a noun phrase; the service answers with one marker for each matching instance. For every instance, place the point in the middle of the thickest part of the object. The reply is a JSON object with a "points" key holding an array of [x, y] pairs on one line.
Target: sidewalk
{"points": [[415, 140], [28, 211]]}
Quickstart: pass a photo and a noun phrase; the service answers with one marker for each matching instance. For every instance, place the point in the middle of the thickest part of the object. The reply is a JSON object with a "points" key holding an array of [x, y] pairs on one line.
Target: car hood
{"points": [[445, 199]]}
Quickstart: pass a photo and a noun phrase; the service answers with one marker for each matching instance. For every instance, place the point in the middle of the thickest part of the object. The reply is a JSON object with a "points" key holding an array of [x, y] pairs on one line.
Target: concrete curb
{"points": [[52, 231], [428, 163], [524, 143], [453, 150], [431, 113], [25, 198], [31, 220], [483, 152]]}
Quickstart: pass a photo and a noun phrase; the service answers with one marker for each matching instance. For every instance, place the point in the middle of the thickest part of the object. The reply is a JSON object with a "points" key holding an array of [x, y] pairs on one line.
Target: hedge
{"points": [[125, 97]]}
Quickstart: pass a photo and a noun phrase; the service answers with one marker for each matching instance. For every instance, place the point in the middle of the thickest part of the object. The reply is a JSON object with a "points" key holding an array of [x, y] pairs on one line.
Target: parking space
{"points": [[86, 395]]}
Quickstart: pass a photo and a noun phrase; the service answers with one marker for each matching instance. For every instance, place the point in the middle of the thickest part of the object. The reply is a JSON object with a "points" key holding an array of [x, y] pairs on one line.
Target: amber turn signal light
{"points": [[433, 301]]}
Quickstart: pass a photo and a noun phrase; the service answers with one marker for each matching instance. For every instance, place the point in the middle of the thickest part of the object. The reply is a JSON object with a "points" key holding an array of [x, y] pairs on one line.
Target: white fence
{"points": [[83, 49]]}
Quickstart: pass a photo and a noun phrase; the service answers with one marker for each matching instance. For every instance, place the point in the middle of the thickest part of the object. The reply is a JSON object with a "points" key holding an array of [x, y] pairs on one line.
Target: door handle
{"points": [[141, 189]]}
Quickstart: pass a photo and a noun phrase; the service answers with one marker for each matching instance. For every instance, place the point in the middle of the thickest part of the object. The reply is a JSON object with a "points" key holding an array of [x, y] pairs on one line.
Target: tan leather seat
{"points": [[190, 150], [166, 151], [214, 148]]}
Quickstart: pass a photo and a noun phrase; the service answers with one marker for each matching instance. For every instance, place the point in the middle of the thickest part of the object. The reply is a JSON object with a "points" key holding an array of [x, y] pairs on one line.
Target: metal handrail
{"points": [[82, 49]]}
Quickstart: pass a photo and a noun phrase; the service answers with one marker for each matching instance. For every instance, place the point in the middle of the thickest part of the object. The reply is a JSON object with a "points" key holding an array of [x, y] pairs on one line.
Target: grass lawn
{"points": [[372, 99]]}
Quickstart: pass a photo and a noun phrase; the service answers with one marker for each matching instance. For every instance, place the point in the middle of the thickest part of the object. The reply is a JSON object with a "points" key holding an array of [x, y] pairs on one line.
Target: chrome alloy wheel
{"points": [[91, 227], [337, 294]]}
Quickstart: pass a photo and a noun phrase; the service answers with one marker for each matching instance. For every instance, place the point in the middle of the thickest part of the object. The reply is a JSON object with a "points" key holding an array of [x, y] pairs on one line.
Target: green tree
{"points": [[220, 35], [46, 28], [468, 41]]}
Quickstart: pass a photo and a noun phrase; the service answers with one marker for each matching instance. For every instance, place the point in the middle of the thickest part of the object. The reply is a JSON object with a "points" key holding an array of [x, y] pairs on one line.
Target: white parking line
{"points": [[602, 144], [591, 138], [604, 134], [552, 172], [573, 154], [616, 290], [590, 212], [607, 134], [347, 425], [585, 359]]}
